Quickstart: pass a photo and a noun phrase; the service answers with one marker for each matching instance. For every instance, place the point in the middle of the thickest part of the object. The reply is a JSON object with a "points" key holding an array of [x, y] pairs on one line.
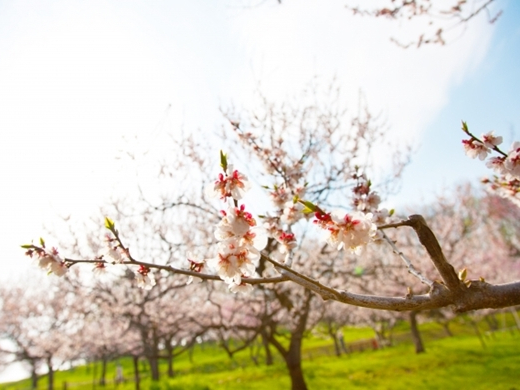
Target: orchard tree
{"points": [[309, 160], [43, 326], [435, 22]]}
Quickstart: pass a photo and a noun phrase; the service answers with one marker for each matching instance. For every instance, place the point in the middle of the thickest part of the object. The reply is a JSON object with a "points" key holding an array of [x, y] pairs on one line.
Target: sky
{"points": [[77, 77]]}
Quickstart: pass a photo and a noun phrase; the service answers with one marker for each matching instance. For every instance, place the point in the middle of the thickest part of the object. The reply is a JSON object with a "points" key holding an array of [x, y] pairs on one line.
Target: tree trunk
{"points": [[268, 354], [293, 360], [153, 362], [416, 335], [102, 380], [293, 356], [515, 316], [50, 375], [447, 330], [34, 375], [477, 332], [171, 373], [137, 379], [337, 349]]}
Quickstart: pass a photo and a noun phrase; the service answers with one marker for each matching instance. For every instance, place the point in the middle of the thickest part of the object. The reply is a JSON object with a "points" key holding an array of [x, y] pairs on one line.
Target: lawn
{"points": [[460, 362]]}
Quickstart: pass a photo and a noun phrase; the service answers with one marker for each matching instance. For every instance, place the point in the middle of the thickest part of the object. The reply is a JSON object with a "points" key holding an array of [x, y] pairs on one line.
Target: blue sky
{"points": [[75, 77], [487, 99]]}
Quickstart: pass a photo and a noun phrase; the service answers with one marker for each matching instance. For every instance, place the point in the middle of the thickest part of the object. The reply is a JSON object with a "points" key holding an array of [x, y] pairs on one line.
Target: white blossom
{"points": [[352, 231], [474, 148]]}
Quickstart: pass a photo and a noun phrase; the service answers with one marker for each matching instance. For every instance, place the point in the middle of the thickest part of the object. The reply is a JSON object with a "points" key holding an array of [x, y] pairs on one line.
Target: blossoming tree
{"points": [[311, 163]]}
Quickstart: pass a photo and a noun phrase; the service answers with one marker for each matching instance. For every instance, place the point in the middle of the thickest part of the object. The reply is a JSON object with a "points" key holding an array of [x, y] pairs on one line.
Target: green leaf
{"points": [[391, 212], [358, 271], [42, 242], [27, 246], [465, 127], [309, 207], [223, 160], [109, 224]]}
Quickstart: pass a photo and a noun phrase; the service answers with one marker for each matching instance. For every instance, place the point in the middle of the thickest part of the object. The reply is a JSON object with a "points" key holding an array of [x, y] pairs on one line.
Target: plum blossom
{"points": [[288, 241], [512, 161], [234, 261], [352, 231], [50, 261], [195, 266], [279, 196], [99, 268], [292, 212], [239, 248], [144, 277], [474, 148], [232, 184], [244, 288], [497, 164], [490, 140], [235, 222], [113, 251]]}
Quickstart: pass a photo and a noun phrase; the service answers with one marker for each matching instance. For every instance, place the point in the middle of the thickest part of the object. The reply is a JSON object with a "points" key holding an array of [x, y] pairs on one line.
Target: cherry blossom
{"points": [[512, 162], [292, 212], [352, 231], [231, 183], [113, 251], [288, 241], [235, 222], [474, 148], [497, 164], [234, 261], [144, 277], [196, 266], [490, 140], [244, 288], [49, 260]]}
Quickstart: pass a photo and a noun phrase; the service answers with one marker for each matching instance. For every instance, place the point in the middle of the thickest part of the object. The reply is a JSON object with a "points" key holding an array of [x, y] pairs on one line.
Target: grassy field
{"points": [[460, 362]]}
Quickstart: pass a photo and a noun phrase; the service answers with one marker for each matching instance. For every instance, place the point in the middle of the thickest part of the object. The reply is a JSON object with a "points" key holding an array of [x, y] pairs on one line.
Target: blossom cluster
{"points": [[48, 260], [240, 240], [231, 183], [505, 165], [351, 231]]}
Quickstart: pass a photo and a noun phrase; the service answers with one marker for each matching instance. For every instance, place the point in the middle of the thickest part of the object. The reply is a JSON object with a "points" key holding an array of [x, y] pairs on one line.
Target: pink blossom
{"points": [[512, 161], [231, 184], [490, 140], [288, 241], [58, 268], [52, 262], [115, 255], [474, 148], [256, 238], [236, 222], [292, 212], [353, 231], [144, 277], [234, 260], [279, 196], [195, 266], [244, 288], [99, 268], [497, 164]]}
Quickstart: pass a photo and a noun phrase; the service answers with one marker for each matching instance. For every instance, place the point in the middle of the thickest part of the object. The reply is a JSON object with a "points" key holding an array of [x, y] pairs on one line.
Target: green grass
{"points": [[459, 362]]}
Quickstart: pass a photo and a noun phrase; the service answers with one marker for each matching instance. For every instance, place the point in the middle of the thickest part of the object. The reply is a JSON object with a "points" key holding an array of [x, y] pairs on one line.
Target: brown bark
{"points": [[416, 335], [50, 375], [137, 378]]}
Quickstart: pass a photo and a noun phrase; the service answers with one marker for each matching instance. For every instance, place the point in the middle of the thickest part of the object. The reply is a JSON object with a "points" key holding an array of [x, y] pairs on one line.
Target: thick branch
{"points": [[479, 295], [430, 243]]}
